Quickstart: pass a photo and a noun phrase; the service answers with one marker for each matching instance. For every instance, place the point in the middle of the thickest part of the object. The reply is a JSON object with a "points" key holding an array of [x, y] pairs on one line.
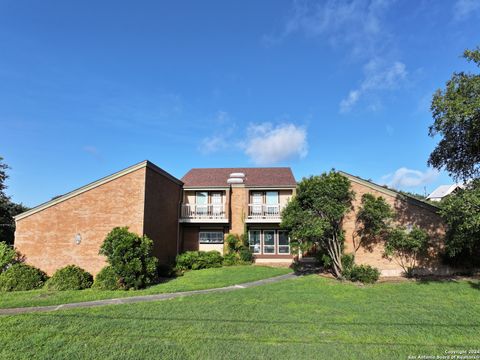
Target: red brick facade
{"points": [[47, 237], [148, 201], [408, 212]]}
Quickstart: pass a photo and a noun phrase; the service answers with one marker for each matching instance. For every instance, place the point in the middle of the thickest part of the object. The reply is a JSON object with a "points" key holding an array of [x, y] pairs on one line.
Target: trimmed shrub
{"points": [[107, 279], [245, 255], [131, 257], [21, 277], [196, 260], [230, 259], [8, 256], [364, 273], [70, 277]]}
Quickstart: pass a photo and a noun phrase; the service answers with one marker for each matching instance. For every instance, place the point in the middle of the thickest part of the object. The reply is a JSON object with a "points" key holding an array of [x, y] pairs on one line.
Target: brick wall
{"points": [[408, 212], [46, 237], [162, 201], [238, 208]]}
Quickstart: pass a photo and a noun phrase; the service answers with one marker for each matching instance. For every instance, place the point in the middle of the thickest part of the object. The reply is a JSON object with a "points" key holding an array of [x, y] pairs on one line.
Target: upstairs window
{"points": [[271, 197]]}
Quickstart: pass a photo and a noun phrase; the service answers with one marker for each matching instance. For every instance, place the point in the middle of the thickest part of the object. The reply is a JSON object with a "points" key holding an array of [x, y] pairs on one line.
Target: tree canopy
{"points": [[405, 246], [461, 212], [314, 216], [456, 114], [372, 222], [8, 209]]}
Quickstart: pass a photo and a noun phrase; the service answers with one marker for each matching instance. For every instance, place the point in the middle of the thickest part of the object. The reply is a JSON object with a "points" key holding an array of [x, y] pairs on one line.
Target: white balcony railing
{"points": [[203, 212], [264, 211]]}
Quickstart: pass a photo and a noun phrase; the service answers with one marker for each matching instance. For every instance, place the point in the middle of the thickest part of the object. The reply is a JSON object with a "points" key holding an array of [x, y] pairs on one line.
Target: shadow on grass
{"points": [[426, 280], [474, 284]]}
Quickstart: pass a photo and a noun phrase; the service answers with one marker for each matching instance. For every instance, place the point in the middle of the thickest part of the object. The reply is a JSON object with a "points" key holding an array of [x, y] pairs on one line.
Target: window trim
{"points": [[276, 240]]}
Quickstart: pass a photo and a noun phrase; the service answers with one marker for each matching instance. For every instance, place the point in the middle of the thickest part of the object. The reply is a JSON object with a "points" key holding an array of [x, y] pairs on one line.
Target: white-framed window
{"points": [[254, 241], [271, 200], [210, 237], [201, 201], [269, 242], [283, 242]]}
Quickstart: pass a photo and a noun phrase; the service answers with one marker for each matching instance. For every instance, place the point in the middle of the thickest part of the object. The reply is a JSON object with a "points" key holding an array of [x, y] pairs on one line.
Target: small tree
{"points": [[461, 212], [314, 216], [131, 257], [8, 256], [406, 247], [372, 222]]}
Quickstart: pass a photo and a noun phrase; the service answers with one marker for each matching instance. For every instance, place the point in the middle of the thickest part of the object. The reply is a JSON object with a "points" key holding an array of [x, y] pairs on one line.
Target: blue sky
{"points": [[88, 88]]}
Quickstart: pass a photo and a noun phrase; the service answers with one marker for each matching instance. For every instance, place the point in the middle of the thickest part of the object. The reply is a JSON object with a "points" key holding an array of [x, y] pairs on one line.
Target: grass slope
{"points": [[303, 318], [192, 280]]}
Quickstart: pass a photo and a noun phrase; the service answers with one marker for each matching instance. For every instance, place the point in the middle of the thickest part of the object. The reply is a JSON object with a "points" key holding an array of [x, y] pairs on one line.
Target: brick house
{"points": [[194, 213]]}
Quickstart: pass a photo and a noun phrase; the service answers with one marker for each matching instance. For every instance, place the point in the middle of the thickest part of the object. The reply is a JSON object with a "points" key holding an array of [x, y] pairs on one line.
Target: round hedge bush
{"points": [[107, 279], [364, 273], [70, 277], [21, 277]]}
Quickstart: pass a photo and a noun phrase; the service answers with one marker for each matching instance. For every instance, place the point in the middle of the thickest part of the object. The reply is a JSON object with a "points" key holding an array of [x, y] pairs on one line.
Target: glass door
{"points": [[201, 201], [257, 200], [254, 241], [269, 241], [217, 206], [272, 202], [283, 242]]}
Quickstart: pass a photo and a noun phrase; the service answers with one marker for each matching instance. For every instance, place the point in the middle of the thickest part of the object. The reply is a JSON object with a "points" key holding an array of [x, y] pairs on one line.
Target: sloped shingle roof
{"points": [[210, 177]]}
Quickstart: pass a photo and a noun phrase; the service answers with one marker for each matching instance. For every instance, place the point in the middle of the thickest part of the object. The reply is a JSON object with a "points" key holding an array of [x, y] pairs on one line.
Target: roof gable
{"points": [[95, 184], [256, 177], [391, 192]]}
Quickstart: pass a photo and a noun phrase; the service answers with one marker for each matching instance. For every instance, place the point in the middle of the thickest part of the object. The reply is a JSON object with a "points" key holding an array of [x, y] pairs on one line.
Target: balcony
{"points": [[264, 213], [205, 213]]}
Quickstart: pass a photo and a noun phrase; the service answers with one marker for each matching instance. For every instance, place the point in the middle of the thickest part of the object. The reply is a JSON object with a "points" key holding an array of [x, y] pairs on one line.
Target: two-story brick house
{"points": [[194, 213], [237, 200]]}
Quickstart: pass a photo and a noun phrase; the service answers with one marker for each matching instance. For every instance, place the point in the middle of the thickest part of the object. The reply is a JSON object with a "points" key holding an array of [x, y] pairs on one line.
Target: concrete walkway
{"points": [[143, 298]]}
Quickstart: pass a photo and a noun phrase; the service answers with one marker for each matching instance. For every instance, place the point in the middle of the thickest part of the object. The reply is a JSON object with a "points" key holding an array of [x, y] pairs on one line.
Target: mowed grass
{"points": [[192, 280], [303, 318]]}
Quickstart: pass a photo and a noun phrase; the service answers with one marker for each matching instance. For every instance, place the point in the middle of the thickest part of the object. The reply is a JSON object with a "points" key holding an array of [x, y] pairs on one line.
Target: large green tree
{"points": [[461, 212], [314, 216], [8, 209], [456, 114]]}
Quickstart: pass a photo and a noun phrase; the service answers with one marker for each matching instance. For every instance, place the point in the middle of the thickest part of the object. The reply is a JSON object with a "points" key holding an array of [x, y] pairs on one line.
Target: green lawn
{"points": [[306, 318], [192, 280]]}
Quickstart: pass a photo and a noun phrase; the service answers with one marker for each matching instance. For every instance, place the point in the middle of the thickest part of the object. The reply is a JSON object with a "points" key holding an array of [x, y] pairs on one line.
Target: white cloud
{"points": [[404, 177], [268, 144], [377, 77], [462, 9], [356, 24], [219, 141], [212, 144]]}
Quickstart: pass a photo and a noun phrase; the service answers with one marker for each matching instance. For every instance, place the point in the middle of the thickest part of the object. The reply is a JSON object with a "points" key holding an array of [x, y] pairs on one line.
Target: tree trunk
{"points": [[334, 251]]}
